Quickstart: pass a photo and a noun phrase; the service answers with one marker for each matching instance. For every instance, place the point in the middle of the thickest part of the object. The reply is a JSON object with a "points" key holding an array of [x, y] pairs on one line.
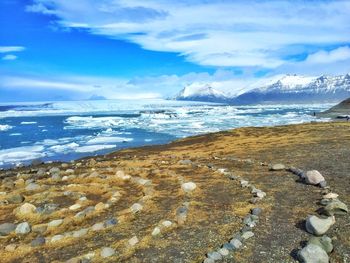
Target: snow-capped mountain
{"points": [[201, 92], [278, 89]]}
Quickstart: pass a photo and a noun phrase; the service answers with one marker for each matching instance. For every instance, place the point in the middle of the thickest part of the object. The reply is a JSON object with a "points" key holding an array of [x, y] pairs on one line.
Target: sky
{"points": [[121, 49]]}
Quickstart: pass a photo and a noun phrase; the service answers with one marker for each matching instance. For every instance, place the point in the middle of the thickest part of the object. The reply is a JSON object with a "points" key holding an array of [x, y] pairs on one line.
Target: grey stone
{"points": [[56, 177], [324, 242], [55, 223], [223, 251], [251, 220], [98, 227], [6, 228], [32, 187], [54, 170], [256, 211], [38, 241], [247, 235], [214, 255], [111, 222], [236, 243], [80, 232], [209, 260], [107, 252], [228, 246], [41, 172], [323, 184], [277, 167], [185, 162], [318, 226], [335, 207], [23, 228], [16, 199], [313, 177], [313, 254]]}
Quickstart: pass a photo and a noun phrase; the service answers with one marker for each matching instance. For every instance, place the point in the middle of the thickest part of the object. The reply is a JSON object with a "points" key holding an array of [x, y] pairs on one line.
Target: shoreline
{"points": [[152, 176]]}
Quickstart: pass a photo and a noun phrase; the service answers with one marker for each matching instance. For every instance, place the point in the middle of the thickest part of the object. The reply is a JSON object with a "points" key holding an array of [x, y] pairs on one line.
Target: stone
{"points": [[133, 241], [55, 223], [181, 214], [313, 177], [256, 211], [23, 228], [100, 206], [11, 247], [56, 238], [6, 228], [323, 184], [40, 229], [185, 162], [156, 231], [209, 260], [236, 243], [136, 207], [260, 194], [244, 183], [16, 199], [251, 220], [223, 251], [80, 233], [38, 241], [324, 242], [188, 187], [330, 196], [247, 235], [56, 177], [278, 167], [111, 222], [335, 207], [167, 223], [47, 208], [41, 172], [228, 246], [318, 226], [313, 254], [107, 252], [26, 209], [98, 227], [32, 187], [54, 170], [214, 255], [75, 207]]}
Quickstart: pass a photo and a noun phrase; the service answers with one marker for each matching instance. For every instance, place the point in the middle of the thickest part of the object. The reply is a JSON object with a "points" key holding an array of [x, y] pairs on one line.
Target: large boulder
{"points": [[335, 207], [323, 242], [319, 226]]}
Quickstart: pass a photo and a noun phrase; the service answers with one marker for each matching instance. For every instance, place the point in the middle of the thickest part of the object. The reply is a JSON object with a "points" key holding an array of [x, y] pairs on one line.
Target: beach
{"points": [[180, 201]]}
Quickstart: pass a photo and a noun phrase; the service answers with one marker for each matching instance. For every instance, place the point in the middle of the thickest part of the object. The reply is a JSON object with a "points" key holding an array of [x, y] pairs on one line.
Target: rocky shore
{"points": [[277, 194]]}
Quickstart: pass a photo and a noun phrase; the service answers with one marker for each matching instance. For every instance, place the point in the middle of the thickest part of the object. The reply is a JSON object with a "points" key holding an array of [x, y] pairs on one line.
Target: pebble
{"points": [[97, 227], [313, 177], [228, 246], [6, 228], [223, 251], [75, 207], [335, 207], [236, 243], [55, 223], [111, 222], [214, 255], [23, 228], [100, 206], [244, 183], [16, 199], [26, 209], [11, 247], [330, 196], [256, 211], [32, 187], [188, 187], [80, 232], [278, 167], [39, 228], [247, 235], [56, 238], [54, 170], [181, 214], [313, 254], [185, 162], [209, 260], [251, 220], [107, 252], [167, 223], [136, 207], [38, 241], [156, 231], [260, 194], [318, 226], [133, 241]]}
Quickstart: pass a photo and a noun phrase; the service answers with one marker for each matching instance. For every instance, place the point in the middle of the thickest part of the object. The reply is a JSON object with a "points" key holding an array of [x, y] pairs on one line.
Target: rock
{"points": [[136, 207], [16, 199], [247, 235], [75, 207], [47, 208], [214, 255], [38, 241], [251, 220], [185, 162], [324, 242], [330, 196], [32, 187], [181, 214], [188, 187], [224, 252], [39, 228], [323, 184], [209, 260], [26, 209], [335, 207], [111, 222], [56, 177], [313, 177], [11, 247], [54, 170], [107, 252], [55, 223], [80, 233], [277, 167], [23, 228], [244, 183], [260, 194], [313, 254], [98, 227], [156, 231], [41, 172], [236, 243], [133, 241], [167, 223], [6, 228], [228, 246], [318, 226], [56, 238], [256, 211], [100, 206]]}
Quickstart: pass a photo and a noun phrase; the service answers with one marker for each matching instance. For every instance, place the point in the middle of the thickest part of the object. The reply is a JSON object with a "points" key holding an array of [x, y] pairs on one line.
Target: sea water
{"points": [[63, 131]]}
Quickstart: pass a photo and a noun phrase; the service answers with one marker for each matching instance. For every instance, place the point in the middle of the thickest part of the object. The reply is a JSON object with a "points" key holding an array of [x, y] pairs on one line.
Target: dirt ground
{"points": [[216, 207]]}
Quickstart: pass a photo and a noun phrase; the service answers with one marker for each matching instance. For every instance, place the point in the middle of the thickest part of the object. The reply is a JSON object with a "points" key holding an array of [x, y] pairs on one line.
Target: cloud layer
{"points": [[212, 33]]}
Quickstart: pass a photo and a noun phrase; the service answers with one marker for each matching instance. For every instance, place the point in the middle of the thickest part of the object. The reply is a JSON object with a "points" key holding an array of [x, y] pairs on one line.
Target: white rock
{"points": [[331, 196], [23, 228], [107, 252], [136, 207], [167, 223], [156, 231], [55, 223], [223, 251], [75, 207], [319, 226], [188, 187], [133, 241], [56, 238], [26, 209], [97, 227], [313, 177]]}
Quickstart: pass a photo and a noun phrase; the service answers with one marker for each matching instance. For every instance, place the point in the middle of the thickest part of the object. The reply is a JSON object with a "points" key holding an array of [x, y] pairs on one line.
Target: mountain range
{"points": [[279, 89]]}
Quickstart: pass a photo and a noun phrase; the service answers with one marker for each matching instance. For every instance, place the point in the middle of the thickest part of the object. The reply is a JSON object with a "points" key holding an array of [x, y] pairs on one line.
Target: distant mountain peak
{"points": [[200, 91]]}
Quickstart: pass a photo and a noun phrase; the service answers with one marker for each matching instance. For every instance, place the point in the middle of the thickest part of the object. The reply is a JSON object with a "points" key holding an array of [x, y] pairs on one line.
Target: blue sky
{"points": [[64, 49]]}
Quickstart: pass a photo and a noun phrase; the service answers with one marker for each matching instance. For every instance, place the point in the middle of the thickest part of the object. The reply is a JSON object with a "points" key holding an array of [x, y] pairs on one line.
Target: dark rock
{"points": [[256, 211], [39, 241], [16, 199], [313, 254], [7, 228]]}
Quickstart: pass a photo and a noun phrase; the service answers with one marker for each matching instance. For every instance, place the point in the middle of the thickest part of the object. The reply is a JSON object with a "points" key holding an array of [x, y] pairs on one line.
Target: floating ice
{"points": [[99, 140], [5, 127], [94, 148]]}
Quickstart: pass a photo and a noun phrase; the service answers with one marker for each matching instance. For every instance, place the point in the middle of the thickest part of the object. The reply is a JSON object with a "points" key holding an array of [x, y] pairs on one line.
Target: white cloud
{"points": [[335, 55], [214, 33], [9, 57], [6, 49]]}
